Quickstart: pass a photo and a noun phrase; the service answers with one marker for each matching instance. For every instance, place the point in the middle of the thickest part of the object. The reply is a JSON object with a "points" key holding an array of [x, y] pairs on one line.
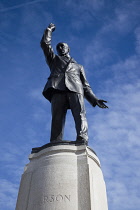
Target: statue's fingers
{"points": [[105, 106], [104, 101], [102, 106]]}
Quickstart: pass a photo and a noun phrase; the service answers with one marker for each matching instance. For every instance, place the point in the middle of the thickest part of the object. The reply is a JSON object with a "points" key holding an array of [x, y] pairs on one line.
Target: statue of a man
{"points": [[66, 88]]}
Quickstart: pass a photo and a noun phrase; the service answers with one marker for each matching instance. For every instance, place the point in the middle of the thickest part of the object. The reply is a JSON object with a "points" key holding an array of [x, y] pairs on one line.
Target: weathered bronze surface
{"points": [[66, 88]]}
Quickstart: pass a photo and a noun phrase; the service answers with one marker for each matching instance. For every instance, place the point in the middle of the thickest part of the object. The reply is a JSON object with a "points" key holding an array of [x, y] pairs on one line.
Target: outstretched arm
{"points": [[93, 100], [88, 93]]}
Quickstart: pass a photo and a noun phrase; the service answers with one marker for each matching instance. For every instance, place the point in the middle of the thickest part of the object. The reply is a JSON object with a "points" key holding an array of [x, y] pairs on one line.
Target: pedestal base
{"points": [[62, 177]]}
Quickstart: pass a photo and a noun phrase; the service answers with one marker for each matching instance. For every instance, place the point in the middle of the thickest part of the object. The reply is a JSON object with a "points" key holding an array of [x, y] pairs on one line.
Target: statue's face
{"points": [[62, 49]]}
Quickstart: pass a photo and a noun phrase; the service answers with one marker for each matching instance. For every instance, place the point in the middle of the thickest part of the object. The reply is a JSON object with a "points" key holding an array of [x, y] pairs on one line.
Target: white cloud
{"points": [[125, 18], [115, 134], [102, 50], [137, 34], [8, 194], [120, 196], [84, 12], [82, 5], [123, 115], [97, 54], [7, 9], [127, 70], [35, 94]]}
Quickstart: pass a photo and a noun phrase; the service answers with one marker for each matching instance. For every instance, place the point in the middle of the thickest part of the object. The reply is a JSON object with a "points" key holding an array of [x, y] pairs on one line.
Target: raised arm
{"points": [[46, 43]]}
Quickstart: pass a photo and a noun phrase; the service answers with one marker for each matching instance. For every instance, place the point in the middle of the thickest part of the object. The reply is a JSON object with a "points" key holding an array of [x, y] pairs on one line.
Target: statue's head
{"points": [[62, 48]]}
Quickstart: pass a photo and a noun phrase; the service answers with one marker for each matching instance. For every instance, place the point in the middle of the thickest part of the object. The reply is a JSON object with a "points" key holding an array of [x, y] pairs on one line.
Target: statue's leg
{"points": [[77, 107], [59, 109]]}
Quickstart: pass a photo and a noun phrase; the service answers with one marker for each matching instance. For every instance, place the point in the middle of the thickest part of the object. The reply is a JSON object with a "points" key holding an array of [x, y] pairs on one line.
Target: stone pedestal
{"points": [[63, 177]]}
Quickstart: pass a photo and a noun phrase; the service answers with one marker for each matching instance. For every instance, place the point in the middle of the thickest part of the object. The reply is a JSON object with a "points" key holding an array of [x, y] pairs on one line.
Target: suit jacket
{"points": [[64, 76]]}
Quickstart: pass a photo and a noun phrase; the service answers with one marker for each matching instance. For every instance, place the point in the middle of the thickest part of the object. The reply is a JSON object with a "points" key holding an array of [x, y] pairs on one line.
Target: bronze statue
{"points": [[66, 88]]}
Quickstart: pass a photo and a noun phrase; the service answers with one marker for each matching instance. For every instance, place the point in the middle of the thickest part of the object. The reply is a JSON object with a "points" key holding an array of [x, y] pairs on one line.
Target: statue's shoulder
{"points": [[79, 66], [73, 60]]}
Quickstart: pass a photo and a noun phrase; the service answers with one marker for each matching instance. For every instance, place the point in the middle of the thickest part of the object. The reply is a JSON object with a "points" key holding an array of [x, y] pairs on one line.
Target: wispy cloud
{"points": [[125, 18], [8, 193], [119, 195], [137, 34], [103, 49], [82, 5], [84, 12], [115, 134], [7, 9]]}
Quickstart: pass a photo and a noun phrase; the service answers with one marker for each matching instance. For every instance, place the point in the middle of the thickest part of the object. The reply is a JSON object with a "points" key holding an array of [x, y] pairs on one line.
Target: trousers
{"points": [[60, 103]]}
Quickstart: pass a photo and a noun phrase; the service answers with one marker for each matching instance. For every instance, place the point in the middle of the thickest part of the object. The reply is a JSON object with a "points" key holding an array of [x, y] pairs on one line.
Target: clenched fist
{"points": [[51, 26]]}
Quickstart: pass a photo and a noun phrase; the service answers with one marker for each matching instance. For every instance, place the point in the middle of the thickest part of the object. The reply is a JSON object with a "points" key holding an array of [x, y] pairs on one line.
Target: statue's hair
{"points": [[60, 43]]}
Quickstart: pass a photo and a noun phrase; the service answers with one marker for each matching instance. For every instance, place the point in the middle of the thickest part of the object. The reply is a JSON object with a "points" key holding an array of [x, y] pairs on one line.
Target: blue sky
{"points": [[104, 36]]}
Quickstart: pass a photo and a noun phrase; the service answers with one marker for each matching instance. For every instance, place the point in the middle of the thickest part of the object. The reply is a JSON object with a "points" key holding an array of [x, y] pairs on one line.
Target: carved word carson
{"points": [[54, 198]]}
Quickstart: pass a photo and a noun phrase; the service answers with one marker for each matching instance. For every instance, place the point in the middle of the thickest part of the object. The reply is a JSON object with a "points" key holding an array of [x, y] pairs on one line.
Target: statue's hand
{"points": [[51, 26], [101, 104]]}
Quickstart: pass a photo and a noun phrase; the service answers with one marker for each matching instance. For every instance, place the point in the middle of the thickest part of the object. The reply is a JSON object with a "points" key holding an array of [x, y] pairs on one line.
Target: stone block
{"points": [[62, 177]]}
